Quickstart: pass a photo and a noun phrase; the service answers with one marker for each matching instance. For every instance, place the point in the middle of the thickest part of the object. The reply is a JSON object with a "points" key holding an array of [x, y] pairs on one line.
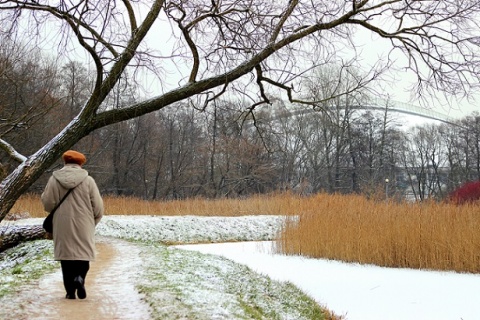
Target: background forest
{"points": [[222, 151]]}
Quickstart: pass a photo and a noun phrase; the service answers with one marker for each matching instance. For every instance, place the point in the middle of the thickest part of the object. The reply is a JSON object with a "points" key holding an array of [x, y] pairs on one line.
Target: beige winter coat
{"points": [[75, 220]]}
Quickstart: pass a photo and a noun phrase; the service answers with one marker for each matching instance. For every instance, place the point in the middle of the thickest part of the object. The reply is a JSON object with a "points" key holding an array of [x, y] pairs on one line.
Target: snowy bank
{"points": [[191, 229]]}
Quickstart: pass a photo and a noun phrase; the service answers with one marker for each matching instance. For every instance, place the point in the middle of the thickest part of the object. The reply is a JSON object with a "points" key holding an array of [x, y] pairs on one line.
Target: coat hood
{"points": [[70, 176]]}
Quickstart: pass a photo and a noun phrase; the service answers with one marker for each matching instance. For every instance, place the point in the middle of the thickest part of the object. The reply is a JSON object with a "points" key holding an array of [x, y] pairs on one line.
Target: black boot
{"points": [[80, 285], [70, 296]]}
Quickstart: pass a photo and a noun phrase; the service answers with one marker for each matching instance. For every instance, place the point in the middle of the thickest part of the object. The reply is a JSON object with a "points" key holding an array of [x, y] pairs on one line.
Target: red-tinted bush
{"points": [[468, 192]]}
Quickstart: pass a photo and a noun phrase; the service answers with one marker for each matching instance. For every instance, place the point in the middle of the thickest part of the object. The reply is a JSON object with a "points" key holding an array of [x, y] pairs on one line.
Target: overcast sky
{"points": [[371, 48]]}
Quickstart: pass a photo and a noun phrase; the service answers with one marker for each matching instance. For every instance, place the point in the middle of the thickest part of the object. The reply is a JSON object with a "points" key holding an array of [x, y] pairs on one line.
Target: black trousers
{"points": [[70, 270]]}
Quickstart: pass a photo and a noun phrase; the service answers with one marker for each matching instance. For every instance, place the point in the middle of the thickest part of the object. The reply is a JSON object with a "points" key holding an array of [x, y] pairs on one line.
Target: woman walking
{"points": [[74, 221]]}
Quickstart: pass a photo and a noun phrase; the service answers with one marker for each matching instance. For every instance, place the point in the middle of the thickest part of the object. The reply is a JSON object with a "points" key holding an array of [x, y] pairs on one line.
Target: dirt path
{"points": [[110, 290]]}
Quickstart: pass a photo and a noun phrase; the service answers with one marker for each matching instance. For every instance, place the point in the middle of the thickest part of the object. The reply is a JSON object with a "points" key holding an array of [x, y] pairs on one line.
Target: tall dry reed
{"points": [[274, 204], [351, 228]]}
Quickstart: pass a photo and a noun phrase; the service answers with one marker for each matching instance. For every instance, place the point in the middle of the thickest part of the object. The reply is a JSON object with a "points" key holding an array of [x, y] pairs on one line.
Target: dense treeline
{"points": [[221, 151]]}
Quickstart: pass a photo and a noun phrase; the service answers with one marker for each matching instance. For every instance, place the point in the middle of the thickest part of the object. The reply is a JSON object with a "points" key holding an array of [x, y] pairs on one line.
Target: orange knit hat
{"points": [[72, 156]]}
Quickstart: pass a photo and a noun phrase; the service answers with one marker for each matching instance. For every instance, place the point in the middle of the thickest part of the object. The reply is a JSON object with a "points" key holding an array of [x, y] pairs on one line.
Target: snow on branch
{"points": [[14, 154]]}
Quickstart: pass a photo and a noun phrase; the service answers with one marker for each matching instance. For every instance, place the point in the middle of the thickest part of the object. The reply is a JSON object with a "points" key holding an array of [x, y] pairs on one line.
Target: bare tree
{"points": [[226, 45], [348, 93], [28, 97], [472, 123], [76, 87], [425, 162], [452, 137]]}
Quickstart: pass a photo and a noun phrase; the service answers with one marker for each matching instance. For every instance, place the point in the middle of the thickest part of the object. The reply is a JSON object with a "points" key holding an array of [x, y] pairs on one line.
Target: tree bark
{"points": [[11, 236]]}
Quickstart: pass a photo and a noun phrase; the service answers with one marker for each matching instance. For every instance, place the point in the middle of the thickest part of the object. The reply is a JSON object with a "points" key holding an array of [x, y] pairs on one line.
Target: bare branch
{"points": [[10, 150], [283, 19], [190, 42], [131, 16]]}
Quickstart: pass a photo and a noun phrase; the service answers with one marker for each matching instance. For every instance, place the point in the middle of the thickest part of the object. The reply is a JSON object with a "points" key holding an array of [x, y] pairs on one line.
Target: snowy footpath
{"points": [[111, 293]]}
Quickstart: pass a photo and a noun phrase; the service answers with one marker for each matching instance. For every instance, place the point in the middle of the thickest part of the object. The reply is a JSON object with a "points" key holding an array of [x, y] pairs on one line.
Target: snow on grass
{"points": [[183, 284], [212, 287], [27, 261], [191, 229]]}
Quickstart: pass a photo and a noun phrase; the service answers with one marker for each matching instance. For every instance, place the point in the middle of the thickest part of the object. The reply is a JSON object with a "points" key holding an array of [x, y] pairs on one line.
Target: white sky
{"points": [[371, 48], [374, 48]]}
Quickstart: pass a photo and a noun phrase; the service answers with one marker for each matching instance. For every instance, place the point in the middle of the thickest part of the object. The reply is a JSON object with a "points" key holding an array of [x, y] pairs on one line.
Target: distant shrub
{"points": [[466, 193]]}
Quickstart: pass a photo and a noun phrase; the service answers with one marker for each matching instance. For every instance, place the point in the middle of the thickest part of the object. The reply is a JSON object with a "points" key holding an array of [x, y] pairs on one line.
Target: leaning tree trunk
{"points": [[10, 236], [18, 182]]}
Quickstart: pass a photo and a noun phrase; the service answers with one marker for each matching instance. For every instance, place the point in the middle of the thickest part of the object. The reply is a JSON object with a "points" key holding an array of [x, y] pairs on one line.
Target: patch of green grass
{"points": [[252, 311], [17, 270], [25, 263], [164, 296]]}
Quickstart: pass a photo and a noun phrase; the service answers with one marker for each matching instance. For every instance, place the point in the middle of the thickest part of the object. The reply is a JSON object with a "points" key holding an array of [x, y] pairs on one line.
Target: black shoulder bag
{"points": [[48, 222]]}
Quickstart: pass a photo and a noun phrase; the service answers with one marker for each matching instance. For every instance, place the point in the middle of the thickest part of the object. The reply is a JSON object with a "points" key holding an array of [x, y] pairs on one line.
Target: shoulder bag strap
{"points": [[58, 204]]}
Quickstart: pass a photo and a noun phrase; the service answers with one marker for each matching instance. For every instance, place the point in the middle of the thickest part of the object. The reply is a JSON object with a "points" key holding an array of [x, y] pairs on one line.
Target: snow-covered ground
{"points": [[356, 291], [361, 292]]}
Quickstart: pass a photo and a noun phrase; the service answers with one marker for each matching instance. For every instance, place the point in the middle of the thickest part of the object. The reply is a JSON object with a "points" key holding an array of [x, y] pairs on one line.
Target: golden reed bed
{"points": [[351, 228]]}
